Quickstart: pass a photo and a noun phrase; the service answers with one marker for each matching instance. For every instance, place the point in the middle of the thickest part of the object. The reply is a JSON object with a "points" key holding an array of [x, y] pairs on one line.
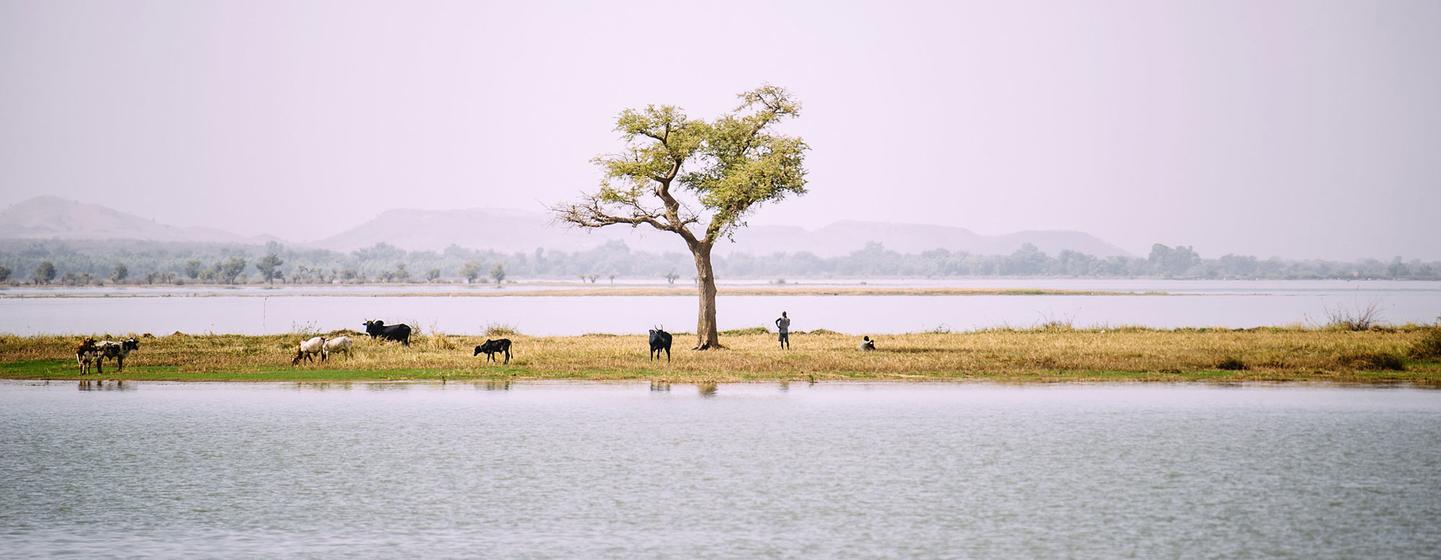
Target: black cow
{"points": [[398, 333], [491, 347], [659, 340]]}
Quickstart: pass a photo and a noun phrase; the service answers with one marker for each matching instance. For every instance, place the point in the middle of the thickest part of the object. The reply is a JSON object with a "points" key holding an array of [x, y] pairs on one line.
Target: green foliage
{"points": [[497, 273], [120, 273], [4, 274], [229, 271], [398, 274], [195, 262], [1172, 262], [471, 271], [44, 273], [269, 267], [730, 166]]}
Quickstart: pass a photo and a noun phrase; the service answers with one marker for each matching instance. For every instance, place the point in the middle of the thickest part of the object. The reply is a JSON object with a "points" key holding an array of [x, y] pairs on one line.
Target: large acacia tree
{"points": [[696, 179]]}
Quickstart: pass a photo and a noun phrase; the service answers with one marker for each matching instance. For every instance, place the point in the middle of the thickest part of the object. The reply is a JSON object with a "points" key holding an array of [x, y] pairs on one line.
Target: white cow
{"points": [[337, 344], [309, 349]]}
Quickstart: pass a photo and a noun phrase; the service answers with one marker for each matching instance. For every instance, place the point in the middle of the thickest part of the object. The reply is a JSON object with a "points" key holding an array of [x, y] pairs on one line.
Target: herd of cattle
{"points": [[91, 352]]}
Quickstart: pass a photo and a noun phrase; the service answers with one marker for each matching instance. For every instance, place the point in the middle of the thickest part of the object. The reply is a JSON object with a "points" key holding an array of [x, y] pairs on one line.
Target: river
{"points": [[1213, 303], [565, 470]]}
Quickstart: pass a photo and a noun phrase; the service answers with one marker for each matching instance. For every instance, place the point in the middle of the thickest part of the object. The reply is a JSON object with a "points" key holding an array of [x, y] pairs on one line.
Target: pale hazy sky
{"points": [[1306, 128]]}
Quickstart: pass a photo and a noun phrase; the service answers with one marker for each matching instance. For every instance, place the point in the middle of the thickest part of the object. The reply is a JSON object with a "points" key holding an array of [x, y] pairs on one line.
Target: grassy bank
{"points": [[1039, 355]]}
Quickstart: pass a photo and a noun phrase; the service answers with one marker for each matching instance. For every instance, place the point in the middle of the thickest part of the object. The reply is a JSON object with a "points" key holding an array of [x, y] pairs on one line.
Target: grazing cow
{"points": [[491, 347], [398, 333], [659, 340], [85, 353], [309, 349], [116, 351], [338, 344], [867, 345]]}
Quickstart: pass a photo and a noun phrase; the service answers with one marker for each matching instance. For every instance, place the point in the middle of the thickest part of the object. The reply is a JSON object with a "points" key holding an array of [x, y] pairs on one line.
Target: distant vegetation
{"points": [[140, 262]]}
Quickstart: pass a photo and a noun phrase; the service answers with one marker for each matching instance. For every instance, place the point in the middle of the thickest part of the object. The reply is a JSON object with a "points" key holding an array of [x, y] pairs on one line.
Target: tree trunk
{"points": [[707, 335]]}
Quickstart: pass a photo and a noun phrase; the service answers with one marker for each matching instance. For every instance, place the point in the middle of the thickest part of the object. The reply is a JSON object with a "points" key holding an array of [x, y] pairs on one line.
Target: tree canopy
{"points": [[675, 172]]}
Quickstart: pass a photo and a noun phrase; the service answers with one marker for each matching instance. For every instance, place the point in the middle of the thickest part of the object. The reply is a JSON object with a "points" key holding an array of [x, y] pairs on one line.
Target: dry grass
{"points": [[1279, 354], [1428, 345]]}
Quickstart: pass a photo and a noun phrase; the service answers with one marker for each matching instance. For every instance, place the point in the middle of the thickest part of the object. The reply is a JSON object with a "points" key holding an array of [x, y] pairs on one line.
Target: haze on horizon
{"points": [[1294, 128]]}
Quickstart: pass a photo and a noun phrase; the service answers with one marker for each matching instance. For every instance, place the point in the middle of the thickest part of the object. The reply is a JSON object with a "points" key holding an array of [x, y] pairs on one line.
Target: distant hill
{"points": [[843, 237], [503, 230], [49, 217], [517, 230], [482, 228]]}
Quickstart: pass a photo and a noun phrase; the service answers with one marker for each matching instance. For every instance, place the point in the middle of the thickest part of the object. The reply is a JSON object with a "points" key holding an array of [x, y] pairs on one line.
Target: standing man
{"points": [[783, 325]]}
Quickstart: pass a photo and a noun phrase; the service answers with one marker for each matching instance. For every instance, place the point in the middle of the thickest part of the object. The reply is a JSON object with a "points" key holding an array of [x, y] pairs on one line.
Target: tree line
{"points": [[132, 262]]}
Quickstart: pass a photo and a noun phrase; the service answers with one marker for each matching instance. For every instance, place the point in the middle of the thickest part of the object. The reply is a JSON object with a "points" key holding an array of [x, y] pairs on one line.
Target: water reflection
{"points": [[101, 385], [322, 386], [494, 385], [657, 385], [707, 390]]}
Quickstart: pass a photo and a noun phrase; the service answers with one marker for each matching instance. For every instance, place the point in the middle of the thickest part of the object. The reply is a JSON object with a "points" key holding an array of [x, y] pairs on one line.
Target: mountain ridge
{"points": [[511, 230]]}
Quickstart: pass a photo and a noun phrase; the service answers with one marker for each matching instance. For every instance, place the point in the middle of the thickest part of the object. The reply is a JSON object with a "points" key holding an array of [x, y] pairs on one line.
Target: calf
{"points": [[659, 340], [309, 349], [338, 344], [116, 351], [85, 353], [491, 347], [398, 333]]}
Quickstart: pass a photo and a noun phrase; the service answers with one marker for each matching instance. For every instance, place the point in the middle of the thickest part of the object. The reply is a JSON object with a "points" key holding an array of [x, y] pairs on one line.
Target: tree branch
{"points": [[590, 215]]}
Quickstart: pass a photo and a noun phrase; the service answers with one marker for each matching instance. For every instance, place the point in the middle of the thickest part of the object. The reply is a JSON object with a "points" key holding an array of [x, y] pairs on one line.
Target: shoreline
{"points": [[1379, 357], [509, 383]]}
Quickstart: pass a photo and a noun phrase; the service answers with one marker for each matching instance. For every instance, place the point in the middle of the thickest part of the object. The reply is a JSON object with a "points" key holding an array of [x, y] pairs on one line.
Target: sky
{"points": [[1304, 129]]}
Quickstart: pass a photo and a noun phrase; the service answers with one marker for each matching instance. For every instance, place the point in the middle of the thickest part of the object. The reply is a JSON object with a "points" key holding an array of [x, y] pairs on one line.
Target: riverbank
{"points": [[1057, 354]]}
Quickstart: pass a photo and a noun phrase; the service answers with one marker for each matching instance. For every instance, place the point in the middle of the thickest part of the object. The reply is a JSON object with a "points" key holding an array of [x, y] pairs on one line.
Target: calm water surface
{"points": [[625, 471], [260, 311]]}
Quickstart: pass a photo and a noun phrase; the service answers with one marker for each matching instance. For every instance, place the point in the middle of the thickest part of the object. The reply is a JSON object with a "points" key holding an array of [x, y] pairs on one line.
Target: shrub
{"points": [[500, 330], [1429, 345], [746, 331], [1232, 363], [1372, 361], [1360, 319], [438, 341]]}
